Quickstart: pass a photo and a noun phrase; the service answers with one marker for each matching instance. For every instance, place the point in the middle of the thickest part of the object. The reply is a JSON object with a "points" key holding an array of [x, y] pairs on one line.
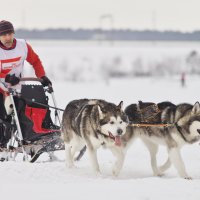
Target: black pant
{"points": [[3, 114], [25, 123]]}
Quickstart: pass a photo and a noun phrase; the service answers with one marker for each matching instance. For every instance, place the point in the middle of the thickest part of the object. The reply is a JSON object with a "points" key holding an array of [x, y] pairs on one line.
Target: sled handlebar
{"points": [[35, 79], [31, 79]]}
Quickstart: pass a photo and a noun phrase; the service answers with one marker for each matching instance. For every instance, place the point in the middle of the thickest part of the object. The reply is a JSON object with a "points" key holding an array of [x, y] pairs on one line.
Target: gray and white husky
{"points": [[94, 123], [184, 129]]}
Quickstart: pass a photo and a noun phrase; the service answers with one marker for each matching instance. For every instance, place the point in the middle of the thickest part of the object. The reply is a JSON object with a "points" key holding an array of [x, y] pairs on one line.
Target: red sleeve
{"points": [[35, 61]]}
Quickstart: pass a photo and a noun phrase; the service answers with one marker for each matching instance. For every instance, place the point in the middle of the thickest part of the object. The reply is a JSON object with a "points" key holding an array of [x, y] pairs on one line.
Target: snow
{"points": [[52, 180], [87, 61]]}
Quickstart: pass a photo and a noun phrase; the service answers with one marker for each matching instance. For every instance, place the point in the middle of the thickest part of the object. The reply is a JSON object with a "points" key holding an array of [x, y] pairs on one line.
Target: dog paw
{"points": [[188, 178], [159, 174], [70, 165], [97, 174], [115, 172]]}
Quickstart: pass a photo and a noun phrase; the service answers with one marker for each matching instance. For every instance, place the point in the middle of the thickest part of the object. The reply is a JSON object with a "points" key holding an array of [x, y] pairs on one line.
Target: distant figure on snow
{"points": [[183, 79]]}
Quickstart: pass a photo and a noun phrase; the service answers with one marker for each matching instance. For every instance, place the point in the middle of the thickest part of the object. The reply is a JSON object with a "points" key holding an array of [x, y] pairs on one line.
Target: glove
{"points": [[45, 81], [12, 79]]}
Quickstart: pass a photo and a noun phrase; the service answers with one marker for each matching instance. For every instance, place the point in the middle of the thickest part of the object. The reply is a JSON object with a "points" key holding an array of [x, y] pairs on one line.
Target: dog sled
{"points": [[29, 128]]}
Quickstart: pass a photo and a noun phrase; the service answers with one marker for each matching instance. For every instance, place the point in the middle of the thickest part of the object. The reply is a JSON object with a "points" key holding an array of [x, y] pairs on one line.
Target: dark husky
{"points": [[184, 129], [94, 123]]}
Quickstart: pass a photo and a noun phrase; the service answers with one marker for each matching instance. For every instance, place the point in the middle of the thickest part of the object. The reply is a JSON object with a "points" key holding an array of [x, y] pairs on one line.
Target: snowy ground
{"points": [[52, 180], [87, 60]]}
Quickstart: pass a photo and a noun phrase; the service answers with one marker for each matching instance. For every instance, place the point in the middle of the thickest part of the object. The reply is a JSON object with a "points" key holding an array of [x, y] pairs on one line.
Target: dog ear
{"points": [[196, 108], [101, 115], [120, 105]]}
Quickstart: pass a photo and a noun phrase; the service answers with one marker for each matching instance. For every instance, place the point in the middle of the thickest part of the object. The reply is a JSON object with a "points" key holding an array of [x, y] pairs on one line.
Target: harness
{"points": [[160, 125], [147, 119], [150, 125], [149, 116]]}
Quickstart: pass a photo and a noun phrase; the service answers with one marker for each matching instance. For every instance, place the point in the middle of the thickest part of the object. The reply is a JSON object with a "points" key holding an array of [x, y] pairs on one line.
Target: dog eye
{"points": [[120, 122], [111, 122]]}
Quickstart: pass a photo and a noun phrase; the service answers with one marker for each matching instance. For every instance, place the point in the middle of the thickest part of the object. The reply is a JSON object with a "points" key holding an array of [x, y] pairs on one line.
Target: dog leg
{"points": [[93, 157], [119, 154], [153, 149], [176, 159], [165, 166], [73, 151], [68, 156], [77, 148]]}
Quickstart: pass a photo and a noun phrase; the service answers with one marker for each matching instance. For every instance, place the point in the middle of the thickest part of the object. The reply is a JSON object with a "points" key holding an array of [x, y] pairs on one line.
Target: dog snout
{"points": [[119, 131]]}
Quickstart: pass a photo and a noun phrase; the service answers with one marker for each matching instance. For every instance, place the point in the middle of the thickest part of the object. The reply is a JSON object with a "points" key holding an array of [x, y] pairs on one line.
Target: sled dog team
{"points": [[97, 123]]}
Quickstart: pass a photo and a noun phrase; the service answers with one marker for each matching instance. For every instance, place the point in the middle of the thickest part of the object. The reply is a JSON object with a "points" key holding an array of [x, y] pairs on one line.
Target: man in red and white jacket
{"points": [[13, 53]]}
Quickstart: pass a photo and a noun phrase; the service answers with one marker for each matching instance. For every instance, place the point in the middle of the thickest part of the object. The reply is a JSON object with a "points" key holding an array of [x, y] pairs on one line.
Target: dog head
{"points": [[113, 121], [190, 124]]}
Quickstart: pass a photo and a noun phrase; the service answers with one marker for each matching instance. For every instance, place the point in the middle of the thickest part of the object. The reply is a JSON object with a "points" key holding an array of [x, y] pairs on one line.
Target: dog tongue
{"points": [[118, 140]]}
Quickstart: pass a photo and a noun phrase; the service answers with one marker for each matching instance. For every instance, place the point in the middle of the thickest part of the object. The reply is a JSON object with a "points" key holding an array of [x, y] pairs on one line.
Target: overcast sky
{"points": [[181, 15]]}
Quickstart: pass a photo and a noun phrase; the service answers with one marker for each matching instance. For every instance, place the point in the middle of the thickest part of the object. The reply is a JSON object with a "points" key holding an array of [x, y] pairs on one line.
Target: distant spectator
{"points": [[183, 79]]}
